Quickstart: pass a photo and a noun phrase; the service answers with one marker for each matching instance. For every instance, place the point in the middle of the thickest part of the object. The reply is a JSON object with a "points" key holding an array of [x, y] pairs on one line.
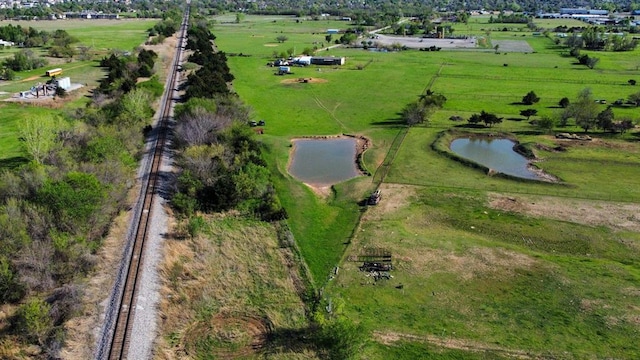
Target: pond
{"points": [[324, 162], [496, 154]]}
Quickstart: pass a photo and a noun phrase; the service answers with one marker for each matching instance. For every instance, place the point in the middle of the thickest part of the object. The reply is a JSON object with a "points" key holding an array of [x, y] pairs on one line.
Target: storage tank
{"points": [[65, 83]]}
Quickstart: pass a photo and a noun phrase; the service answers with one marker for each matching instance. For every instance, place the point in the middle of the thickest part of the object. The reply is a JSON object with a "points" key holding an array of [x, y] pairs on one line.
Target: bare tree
{"points": [[200, 127]]}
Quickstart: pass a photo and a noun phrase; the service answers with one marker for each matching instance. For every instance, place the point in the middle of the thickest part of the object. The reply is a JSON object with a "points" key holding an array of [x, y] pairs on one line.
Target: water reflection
{"points": [[324, 161], [496, 154]]}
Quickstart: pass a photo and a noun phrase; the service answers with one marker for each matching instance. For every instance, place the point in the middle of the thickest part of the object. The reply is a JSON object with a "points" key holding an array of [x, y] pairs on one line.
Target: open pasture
{"points": [[11, 152], [124, 34], [470, 275], [471, 278]]}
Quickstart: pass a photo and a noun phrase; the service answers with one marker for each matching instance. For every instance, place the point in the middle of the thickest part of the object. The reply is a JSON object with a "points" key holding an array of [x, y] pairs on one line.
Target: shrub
{"points": [[33, 320], [10, 288], [196, 225], [153, 86]]}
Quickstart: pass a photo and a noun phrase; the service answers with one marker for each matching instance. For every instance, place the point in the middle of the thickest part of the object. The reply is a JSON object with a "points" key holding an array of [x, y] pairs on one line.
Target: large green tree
{"points": [[604, 120], [74, 201], [530, 98], [39, 134], [584, 110]]}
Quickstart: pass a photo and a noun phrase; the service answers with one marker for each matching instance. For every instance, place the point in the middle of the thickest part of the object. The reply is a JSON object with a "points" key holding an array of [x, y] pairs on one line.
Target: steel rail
{"points": [[119, 343]]}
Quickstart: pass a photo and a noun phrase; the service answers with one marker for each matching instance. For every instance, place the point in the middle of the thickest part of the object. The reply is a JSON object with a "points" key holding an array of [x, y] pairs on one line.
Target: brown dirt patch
{"points": [[309, 80], [30, 78], [595, 142], [270, 45], [473, 263], [394, 197], [615, 215], [321, 190], [388, 338]]}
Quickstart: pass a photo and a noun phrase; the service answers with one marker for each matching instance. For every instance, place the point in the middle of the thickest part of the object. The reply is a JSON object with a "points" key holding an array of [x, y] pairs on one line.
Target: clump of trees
{"points": [[488, 119], [123, 71], [528, 113], [564, 102], [26, 37], [589, 61], [595, 38], [509, 19], [530, 98], [7, 74], [23, 60], [212, 77], [634, 98], [220, 157], [62, 45], [583, 110], [420, 111], [587, 115]]}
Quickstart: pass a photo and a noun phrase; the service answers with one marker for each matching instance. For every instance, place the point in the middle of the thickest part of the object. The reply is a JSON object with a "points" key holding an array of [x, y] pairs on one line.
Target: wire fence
{"points": [[551, 190]]}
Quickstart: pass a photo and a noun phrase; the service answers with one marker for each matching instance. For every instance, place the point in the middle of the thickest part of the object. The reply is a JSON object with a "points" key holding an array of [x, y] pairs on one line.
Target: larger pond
{"points": [[324, 162], [496, 154]]}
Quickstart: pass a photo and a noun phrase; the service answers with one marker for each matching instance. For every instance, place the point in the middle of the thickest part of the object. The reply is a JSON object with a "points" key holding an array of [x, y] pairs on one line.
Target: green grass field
{"points": [[124, 34], [102, 35], [11, 152], [470, 280]]}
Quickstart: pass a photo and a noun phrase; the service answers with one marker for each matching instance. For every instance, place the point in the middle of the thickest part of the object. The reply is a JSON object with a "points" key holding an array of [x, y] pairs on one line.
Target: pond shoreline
{"points": [[447, 137], [362, 144]]}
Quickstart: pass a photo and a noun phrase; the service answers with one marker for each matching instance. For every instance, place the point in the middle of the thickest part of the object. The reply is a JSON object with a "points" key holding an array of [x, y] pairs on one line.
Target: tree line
{"points": [[584, 110], [138, 9], [56, 208], [219, 154]]}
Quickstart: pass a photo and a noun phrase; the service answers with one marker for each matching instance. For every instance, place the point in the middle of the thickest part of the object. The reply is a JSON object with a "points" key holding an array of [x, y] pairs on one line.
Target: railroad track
{"points": [[116, 332]]}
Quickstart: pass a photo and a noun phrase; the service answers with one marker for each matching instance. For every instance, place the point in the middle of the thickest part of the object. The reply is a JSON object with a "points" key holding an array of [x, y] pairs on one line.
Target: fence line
{"points": [[546, 192], [383, 169]]}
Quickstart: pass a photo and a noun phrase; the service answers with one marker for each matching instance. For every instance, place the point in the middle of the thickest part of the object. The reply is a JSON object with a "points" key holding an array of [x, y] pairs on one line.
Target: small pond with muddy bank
{"points": [[497, 154], [325, 161]]}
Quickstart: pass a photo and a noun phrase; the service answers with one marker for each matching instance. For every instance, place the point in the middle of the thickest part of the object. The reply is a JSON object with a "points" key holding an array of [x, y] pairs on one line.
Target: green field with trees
{"points": [[487, 280], [259, 264], [67, 165]]}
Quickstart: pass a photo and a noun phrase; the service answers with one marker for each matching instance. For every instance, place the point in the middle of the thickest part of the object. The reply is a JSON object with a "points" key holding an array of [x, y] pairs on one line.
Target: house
{"points": [[6, 43], [583, 11], [329, 60]]}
